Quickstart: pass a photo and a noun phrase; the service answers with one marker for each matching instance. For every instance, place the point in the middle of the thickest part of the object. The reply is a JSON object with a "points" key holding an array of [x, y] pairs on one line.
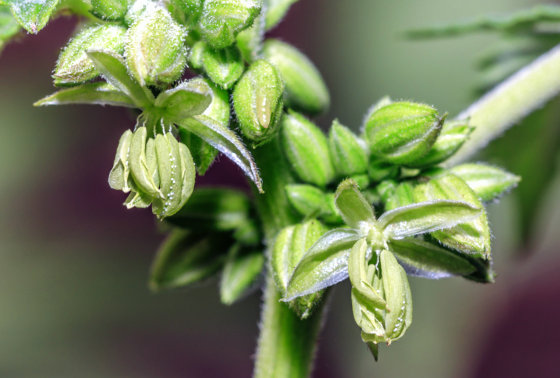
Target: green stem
{"points": [[286, 345], [510, 102]]}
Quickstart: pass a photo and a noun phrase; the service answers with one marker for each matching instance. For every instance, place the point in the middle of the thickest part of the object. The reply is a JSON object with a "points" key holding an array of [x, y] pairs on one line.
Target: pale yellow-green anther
{"points": [[305, 88], [486, 181], [289, 247], [453, 135], [257, 101], [138, 162], [74, 66], [221, 20], [472, 237], [307, 149], [111, 10], [120, 173], [381, 298], [402, 132], [223, 66], [155, 50], [348, 152]]}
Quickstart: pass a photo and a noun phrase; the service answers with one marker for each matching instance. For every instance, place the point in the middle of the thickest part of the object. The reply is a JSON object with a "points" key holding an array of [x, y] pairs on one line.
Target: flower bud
{"points": [[379, 171], [195, 55], [275, 11], [402, 132], [348, 152], [249, 41], [403, 195], [305, 88], [453, 135], [111, 10], [155, 50], [472, 237], [74, 66], [221, 20], [289, 247], [486, 181], [257, 100], [224, 66], [307, 149], [186, 12]]}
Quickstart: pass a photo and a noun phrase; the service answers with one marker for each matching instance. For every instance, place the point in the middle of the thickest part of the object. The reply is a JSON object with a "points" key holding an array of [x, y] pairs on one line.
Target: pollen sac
{"points": [[224, 66], [73, 66], [110, 10], [221, 20], [453, 135], [289, 247], [120, 173], [381, 297], [402, 132], [307, 150], [305, 88], [257, 101], [155, 50], [348, 152]]}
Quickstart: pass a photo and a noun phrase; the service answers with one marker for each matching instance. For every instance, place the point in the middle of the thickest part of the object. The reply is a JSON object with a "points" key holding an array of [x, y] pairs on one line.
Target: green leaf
{"points": [[9, 27], [323, 265], [225, 141], [486, 181], [90, 93], [213, 209], [33, 15], [187, 99], [241, 270], [186, 257], [522, 20], [113, 68], [423, 217], [424, 259], [352, 205]]}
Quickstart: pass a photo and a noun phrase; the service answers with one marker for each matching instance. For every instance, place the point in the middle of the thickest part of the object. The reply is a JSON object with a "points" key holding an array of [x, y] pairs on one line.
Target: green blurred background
{"points": [[74, 262]]}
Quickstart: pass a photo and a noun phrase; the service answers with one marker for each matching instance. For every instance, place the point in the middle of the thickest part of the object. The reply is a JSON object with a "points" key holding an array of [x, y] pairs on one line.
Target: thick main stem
{"points": [[286, 345], [509, 102]]}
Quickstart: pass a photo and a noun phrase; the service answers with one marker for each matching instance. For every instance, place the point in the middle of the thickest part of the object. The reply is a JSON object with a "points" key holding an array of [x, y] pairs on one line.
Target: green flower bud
{"points": [[249, 41], [74, 66], [275, 11], [186, 12], [224, 67], [307, 149], [257, 101], [221, 20], [195, 55], [402, 132], [379, 171], [348, 152], [308, 200], [453, 135], [289, 247], [381, 298], [176, 175], [486, 181], [155, 50], [472, 237], [362, 180], [402, 195], [386, 100], [305, 88], [120, 173], [111, 10]]}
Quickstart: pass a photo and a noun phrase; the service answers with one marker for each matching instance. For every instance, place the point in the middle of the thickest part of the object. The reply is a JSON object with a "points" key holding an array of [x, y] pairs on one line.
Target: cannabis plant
{"points": [[374, 207]]}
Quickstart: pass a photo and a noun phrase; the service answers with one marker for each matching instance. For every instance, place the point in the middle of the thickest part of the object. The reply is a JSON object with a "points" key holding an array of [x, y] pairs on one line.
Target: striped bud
{"points": [[224, 66], [289, 247], [379, 170], [221, 20], [155, 50], [486, 181], [472, 237], [453, 135], [305, 88], [111, 10], [74, 66], [402, 195], [348, 152], [257, 100], [307, 149], [275, 11], [402, 132]]}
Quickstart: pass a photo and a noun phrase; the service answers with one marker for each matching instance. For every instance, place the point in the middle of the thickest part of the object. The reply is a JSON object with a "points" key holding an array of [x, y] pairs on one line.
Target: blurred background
{"points": [[74, 262]]}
